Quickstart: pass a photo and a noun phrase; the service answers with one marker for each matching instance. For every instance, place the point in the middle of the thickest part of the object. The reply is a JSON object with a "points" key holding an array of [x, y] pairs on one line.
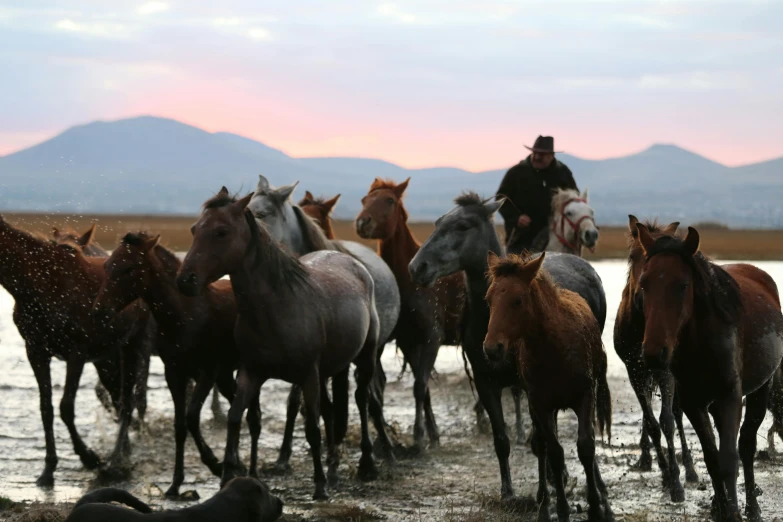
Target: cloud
{"points": [[152, 8], [392, 11], [227, 22], [258, 33], [102, 29]]}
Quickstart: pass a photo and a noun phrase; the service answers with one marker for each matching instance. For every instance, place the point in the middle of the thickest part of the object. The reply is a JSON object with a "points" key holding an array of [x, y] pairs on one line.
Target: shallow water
{"points": [[444, 484]]}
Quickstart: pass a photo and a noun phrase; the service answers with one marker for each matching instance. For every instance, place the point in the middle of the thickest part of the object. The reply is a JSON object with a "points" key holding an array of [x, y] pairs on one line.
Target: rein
{"points": [[573, 224]]}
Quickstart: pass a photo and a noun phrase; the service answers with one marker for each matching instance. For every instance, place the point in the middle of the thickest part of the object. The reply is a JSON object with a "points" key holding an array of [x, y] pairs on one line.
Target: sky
{"points": [[420, 83]]}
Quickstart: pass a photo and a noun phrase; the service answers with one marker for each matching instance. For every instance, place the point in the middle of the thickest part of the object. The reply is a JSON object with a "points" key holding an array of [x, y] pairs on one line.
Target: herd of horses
{"points": [[302, 306]]}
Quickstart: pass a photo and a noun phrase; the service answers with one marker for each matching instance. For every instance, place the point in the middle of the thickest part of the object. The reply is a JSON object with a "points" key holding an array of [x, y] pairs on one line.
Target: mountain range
{"points": [[161, 166]]}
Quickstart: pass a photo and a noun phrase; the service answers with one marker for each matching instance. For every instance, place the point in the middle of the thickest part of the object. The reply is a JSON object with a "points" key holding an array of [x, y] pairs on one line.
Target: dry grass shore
{"points": [[719, 243]]}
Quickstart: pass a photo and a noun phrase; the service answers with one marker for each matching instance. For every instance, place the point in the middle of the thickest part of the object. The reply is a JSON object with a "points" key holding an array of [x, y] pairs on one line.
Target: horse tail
{"points": [[603, 402], [106, 495]]}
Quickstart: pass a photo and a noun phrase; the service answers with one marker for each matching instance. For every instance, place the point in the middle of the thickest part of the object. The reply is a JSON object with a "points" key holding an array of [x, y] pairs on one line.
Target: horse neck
{"points": [[328, 230], [20, 252], [162, 295], [539, 323], [398, 250], [477, 282]]}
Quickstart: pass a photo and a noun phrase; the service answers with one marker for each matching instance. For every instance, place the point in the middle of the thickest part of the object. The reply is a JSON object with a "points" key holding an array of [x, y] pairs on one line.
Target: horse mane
{"points": [[714, 289], [313, 236], [560, 196], [511, 265], [387, 184], [168, 259], [284, 270], [221, 199], [547, 289]]}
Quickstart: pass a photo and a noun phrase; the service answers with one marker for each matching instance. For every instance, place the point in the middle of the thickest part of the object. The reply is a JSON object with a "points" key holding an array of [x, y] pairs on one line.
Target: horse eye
{"points": [[193, 230], [518, 301], [390, 201], [463, 227], [570, 213], [260, 215], [221, 232]]}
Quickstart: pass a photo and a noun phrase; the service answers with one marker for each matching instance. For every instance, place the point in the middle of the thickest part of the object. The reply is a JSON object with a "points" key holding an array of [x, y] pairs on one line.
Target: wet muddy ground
{"points": [[457, 482]]}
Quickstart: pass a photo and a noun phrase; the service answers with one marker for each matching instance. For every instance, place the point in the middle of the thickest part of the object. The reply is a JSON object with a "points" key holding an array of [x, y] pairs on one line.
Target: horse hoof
{"points": [[644, 463], [115, 472], [46, 480], [521, 439], [367, 470], [691, 477], [90, 460], [320, 494], [172, 492], [678, 494]]}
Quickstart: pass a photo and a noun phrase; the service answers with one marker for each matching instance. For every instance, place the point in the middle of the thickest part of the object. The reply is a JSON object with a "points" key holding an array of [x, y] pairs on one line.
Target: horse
{"points": [[290, 226], [320, 210], [776, 408], [719, 329], [628, 336], [91, 248], [460, 242], [572, 223], [552, 335], [196, 335], [53, 285], [301, 320], [429, 316]]}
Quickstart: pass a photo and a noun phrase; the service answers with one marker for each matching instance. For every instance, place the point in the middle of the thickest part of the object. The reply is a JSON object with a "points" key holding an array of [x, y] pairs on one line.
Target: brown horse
{"points": [[91, 248], [720, 330], [320, 210], [429, 316], [554, 337], [196, 335], [628, 337], [53, 286], [287, 326]]}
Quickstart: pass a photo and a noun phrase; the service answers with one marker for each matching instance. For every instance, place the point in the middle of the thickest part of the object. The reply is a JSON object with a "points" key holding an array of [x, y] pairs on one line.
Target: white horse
{"points": [[572, 223]]}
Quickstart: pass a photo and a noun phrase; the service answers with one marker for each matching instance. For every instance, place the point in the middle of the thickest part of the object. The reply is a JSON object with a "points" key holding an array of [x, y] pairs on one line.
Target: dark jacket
{"points": [[530, 192]]}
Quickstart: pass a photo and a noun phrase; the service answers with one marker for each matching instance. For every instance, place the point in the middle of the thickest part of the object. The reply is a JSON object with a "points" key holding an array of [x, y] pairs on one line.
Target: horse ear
{"points": [[87, 237], [308, 195], [399, 190], [492, 259], [283, 193], [151, 243], [244, 201], [263, 183], [532, 267], [56, 232], [329, 204], [493, 206], [645, 238], [585, 196], [692, 241], [671, 228], [632, 221], [223, 191]]}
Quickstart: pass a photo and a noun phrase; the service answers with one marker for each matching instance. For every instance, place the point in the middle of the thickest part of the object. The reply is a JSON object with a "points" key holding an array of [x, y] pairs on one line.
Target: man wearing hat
{"points": [[529, 186]]}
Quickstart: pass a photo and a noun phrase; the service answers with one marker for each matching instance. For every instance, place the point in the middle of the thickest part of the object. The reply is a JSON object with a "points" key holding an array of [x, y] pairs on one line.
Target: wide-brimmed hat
{"points": [[544, 144]]}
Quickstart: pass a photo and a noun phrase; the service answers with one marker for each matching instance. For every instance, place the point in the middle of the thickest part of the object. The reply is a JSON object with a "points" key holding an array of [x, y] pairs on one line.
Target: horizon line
{"points": [[376, 158]]}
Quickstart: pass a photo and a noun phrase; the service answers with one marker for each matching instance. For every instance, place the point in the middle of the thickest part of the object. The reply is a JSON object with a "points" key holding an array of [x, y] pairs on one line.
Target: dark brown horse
{"points": [[720, 330], [320, 209], [287, 326], [429, 316], [628, 337], [53, 286], [196, 335], [554, 337], [91, 248]]}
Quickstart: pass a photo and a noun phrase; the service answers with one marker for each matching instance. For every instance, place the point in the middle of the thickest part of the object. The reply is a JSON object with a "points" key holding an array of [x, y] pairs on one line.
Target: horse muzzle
{"points": [[590, 238], [494, 352], [365, 228], [656, 357], [420, 273]]}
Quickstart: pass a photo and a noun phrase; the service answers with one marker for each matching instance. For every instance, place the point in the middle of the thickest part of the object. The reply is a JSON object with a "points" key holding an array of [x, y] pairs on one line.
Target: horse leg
{"points": [[427, 364], [556, 458], [666, 385], [118, 465], [365, 368], [73, 374], [204, 384], [340, 405], [755, 410], [386, 447], [585, 445], [687, 458], [429, 420], [248, 387], [538, 445], [642, 387], [516, 391], [140, 386], [702, 426], [490, 398], [177, 383], [254, 425], [294, 403], [327, 414], [482, 422], [311, 388], [726, 415], [40, 365]]}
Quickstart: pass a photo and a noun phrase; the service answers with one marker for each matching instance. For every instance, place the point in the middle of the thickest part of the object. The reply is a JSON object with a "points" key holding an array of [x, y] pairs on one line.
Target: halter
{"points": [[573, 224]]}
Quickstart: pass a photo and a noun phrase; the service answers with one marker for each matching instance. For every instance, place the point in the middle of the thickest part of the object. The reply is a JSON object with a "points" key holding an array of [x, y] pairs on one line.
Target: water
{"points": [[22, 443]]}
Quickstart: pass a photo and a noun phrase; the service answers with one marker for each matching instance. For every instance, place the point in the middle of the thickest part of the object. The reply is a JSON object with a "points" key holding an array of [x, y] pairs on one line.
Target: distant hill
{"points": [[157, 165]]}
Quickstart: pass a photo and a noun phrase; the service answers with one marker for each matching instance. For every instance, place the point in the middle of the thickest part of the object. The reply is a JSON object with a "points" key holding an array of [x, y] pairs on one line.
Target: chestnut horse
{"points": [[91, 248], [288, 326], [53, 285], [555, 340], [628, 337], [429, 316], [720, 330], [320, 209], [196, 335]]}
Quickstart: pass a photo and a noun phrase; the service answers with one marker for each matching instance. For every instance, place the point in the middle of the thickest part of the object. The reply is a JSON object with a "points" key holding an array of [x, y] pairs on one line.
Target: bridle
{"points": [[573, 224]]}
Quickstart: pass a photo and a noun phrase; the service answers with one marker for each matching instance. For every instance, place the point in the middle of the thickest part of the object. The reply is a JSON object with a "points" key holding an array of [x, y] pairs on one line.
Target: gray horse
{"points": [[460, 242], [299, 234]]}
